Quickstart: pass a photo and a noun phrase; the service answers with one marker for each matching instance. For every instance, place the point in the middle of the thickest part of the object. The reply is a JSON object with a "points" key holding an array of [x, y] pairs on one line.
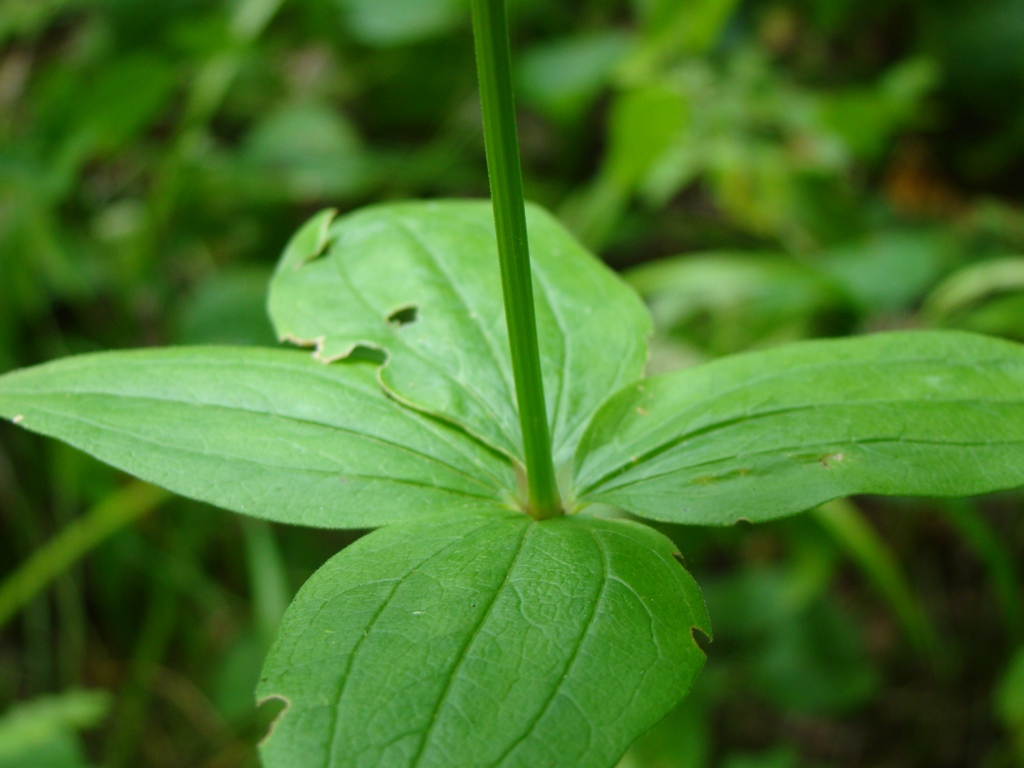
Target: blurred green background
{"points": [[760, 170]]}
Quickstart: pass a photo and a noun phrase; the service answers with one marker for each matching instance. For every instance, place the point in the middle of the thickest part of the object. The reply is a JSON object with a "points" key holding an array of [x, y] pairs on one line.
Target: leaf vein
{"points": [[463, 655], [588, 627]]}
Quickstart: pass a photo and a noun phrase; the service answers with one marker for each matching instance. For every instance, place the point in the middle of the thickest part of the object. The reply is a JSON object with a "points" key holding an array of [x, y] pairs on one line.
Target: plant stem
{"points": [[842, 520], [494, 69]]}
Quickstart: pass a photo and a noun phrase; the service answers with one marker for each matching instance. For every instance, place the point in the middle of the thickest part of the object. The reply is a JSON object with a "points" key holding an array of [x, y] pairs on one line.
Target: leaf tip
{"points": [[311, 241]]}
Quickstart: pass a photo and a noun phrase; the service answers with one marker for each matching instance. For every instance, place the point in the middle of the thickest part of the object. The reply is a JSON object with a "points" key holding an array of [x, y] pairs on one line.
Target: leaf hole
{"points": [[404, 316], [269, 711], [701, 639], [365, 354]]}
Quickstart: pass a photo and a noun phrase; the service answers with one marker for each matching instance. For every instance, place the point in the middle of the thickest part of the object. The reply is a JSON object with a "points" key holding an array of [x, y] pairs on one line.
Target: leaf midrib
{"points": [[397, 340], [454, 673], [709, 429], [267, 465], [258, 359], [255, 412], [605, 575], [399, 581], [866, 441], [504, 372]]}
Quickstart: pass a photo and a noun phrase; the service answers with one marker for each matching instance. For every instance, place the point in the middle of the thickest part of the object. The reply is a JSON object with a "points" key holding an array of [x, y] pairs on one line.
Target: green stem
{"points": [[997, 558], [494, 68], [847, 525]]}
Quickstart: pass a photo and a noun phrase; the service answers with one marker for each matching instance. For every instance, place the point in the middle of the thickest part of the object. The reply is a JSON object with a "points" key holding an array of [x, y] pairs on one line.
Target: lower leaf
{"points": [[496, 641]]}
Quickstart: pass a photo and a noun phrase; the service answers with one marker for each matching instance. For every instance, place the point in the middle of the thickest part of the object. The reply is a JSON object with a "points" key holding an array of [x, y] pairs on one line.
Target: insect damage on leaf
{"points": [[265, 432], [770, 433], [420, 282], [273, 708], [578, 632], [404, 316], [830, 459]]}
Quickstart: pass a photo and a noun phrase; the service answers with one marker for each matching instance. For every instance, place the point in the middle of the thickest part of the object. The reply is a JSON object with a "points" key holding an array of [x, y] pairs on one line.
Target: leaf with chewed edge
{"points": [[489, 642], [421, 281], [767, 434], [269, 433]]}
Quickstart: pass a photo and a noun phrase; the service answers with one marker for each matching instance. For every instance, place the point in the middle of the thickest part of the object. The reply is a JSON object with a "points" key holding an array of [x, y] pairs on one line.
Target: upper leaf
{"points": [[485, 643], [421, 281], [767, 434], [269, 433]]}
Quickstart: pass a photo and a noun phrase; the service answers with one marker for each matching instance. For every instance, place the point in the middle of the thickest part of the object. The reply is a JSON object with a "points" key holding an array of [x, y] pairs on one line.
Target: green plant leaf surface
{"points": [[563, 77], [973, 285], [727, 301], [488, 642], [270, 433], [421, 281], [41, 733], [386, 23], [762, 435]]}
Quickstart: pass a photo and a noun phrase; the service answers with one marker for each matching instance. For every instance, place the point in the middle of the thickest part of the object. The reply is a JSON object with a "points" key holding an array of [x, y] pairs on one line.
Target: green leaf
{"points": [[386, 23], [767, 434], [974, 285], [682, 740], [28, 19], [1009, 701], [304, 152], [487, 642], [864, 269], [102, 119], [691, 27], [728, 301], [564, 77], [421, 281], [269, 433], [855, 535], [227, 308], [644, 124], [801, 651], [41, 733], [867, 118]]}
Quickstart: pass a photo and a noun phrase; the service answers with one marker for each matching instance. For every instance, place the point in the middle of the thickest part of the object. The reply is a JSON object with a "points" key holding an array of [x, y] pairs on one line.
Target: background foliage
{"points": [[761, 171]]}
